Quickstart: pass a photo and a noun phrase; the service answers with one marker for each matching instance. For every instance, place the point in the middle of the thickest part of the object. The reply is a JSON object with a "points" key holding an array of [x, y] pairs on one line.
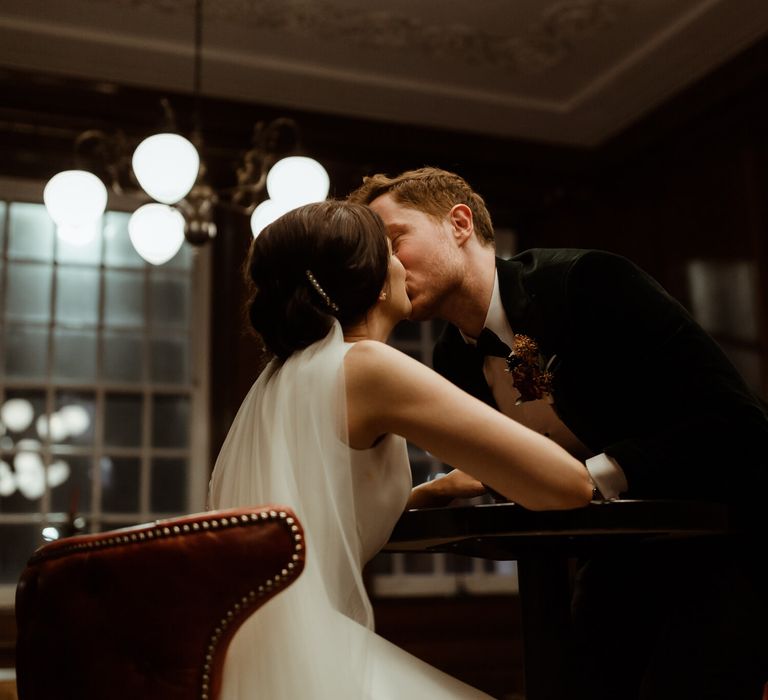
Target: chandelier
{"points": [[168, 168]]}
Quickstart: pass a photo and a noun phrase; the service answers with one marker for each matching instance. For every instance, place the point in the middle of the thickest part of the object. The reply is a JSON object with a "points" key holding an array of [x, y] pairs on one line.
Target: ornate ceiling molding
{"points": [[548, 41]]}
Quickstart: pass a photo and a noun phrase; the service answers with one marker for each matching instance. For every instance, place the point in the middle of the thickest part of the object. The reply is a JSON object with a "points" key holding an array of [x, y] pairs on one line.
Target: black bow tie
{"points": [[488, 343]]}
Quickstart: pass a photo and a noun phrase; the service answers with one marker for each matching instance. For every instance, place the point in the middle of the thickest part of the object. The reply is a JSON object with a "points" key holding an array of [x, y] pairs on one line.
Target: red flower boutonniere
{"points": [[531, 372]]}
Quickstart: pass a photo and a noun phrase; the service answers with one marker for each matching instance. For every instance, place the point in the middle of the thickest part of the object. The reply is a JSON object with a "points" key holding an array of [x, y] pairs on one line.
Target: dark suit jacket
{"points": [[634, 375]]}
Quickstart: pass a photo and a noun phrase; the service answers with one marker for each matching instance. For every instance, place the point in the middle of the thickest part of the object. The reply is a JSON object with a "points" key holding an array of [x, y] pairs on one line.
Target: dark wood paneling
{"points": [[7, 639]]}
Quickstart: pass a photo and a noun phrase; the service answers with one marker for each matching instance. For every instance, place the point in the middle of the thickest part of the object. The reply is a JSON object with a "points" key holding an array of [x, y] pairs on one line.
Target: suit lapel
{"points": [[514, 297]]}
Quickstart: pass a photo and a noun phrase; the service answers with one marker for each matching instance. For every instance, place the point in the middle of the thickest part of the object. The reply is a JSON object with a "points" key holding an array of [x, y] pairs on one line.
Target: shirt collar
{"points": [[496, 318]]}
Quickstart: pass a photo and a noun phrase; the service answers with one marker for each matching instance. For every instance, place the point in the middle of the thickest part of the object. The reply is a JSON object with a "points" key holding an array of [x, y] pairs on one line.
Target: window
{"points": [[103, 382], [724, 300]]}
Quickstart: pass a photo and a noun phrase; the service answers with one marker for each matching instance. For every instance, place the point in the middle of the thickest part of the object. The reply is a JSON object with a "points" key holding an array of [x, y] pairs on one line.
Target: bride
{"points": [[324, 430]]}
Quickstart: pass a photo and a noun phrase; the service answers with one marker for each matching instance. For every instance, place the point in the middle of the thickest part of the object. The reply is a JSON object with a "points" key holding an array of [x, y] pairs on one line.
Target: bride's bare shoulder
{"points": [[373, 359]]}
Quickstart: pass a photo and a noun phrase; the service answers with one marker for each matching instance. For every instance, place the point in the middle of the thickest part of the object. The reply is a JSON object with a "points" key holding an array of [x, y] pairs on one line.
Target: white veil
{"points": [[288, 446]]}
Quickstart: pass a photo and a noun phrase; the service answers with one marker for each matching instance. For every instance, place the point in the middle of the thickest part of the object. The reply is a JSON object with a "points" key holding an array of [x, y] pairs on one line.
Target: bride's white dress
{"points": [[288, 446]]}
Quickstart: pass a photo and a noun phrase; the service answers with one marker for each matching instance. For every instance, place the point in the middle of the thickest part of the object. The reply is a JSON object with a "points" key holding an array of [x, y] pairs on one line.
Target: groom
{"points": [[587, 349]]}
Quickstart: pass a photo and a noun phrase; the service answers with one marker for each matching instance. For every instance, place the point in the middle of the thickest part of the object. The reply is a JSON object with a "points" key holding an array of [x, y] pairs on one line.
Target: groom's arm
{"points": [[697, 430]]}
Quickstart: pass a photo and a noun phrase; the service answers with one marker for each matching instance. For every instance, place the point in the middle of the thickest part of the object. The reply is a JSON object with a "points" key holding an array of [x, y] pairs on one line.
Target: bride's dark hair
{"points": [[342, 246]]}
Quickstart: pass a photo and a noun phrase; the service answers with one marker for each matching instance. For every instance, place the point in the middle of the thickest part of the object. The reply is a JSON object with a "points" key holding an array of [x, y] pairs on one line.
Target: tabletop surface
{"points": [[507, 530]]}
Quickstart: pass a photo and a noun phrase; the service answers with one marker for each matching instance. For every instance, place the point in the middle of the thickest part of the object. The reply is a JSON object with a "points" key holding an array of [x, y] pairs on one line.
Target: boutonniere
{"points": [[531, 371]]}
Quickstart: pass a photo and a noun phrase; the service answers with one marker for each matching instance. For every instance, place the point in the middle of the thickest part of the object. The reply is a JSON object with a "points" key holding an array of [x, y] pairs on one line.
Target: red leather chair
{"points": [[148, 612]]}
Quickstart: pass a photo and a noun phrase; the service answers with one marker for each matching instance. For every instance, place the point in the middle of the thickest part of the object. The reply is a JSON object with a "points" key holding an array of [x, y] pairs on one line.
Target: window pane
{"points": [[458, 565], [170, 421], [183, 259], [29, 292], [77, 295], [123, 420], [169, 299], [122, 357], [85, 254], [74, 355], [168, 492], [170, 360], [724, 297], [419, 563], [19, 541], [120, 482], [26, 351], [31, 233], [381, 564], [124, 298], [118, 249], [74, 419], [70, 481]]}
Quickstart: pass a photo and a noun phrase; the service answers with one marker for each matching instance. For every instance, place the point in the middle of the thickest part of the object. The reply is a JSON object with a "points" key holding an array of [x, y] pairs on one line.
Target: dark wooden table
{"points": [[542, 543]]}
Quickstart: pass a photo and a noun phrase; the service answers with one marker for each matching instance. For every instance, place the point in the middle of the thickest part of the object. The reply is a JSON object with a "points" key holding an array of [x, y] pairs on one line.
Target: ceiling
{"points": [[571, 72]]}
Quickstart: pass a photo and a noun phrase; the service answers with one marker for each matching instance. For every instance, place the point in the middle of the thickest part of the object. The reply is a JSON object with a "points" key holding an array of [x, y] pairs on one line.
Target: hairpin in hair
{"points": [[330, 304]]}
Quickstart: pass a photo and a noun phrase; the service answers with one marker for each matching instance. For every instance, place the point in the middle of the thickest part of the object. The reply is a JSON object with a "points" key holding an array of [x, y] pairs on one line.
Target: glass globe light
{"points": [[75, 200], [298, 180], [50, 533], [57, 473], [76, 419], [166, 166], [54, 428], [30, 474], [7, 480], [17, 414], [157, 232], [264, 214]]}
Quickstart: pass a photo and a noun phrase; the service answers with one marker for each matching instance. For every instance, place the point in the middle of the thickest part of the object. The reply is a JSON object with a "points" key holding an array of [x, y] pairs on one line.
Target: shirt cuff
{"points": [[607, 476]]}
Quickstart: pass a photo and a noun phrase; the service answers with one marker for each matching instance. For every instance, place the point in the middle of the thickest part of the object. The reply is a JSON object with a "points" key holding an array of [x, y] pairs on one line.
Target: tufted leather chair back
{"points": [[148, 612]]}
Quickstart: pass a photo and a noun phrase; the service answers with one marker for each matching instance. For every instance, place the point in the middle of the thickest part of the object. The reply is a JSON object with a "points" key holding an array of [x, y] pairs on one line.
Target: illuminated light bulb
{"points": [[7, 479], [30, 474], [298, 180], [17, 414], [264, 214], [55, 428], [166, 166], [76, 419], [76, 200], [50, 534], [58, 473], [157, 232]]}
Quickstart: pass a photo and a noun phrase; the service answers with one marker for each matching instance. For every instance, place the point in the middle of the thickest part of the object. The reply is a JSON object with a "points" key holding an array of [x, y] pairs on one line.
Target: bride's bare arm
{"points": [[389, 392]]}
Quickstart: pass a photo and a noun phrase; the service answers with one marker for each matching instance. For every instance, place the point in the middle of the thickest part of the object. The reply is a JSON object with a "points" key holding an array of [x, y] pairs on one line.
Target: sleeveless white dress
{"points": [[288, 446]]}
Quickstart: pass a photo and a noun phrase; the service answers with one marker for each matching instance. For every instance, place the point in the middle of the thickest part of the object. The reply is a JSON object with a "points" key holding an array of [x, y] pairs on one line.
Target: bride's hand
{"points": [[444, 489]]}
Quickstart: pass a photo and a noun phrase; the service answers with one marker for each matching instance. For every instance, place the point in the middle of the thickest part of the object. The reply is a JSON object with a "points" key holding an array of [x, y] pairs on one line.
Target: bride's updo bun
{"points": [[315, 263]]}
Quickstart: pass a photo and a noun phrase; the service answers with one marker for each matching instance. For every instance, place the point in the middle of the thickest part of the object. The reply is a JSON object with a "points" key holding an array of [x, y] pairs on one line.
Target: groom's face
{"points": [[426, 247]]}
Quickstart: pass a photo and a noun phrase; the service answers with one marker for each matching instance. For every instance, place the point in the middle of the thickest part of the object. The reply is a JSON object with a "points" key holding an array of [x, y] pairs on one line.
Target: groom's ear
{"points": [[460, 217]]}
